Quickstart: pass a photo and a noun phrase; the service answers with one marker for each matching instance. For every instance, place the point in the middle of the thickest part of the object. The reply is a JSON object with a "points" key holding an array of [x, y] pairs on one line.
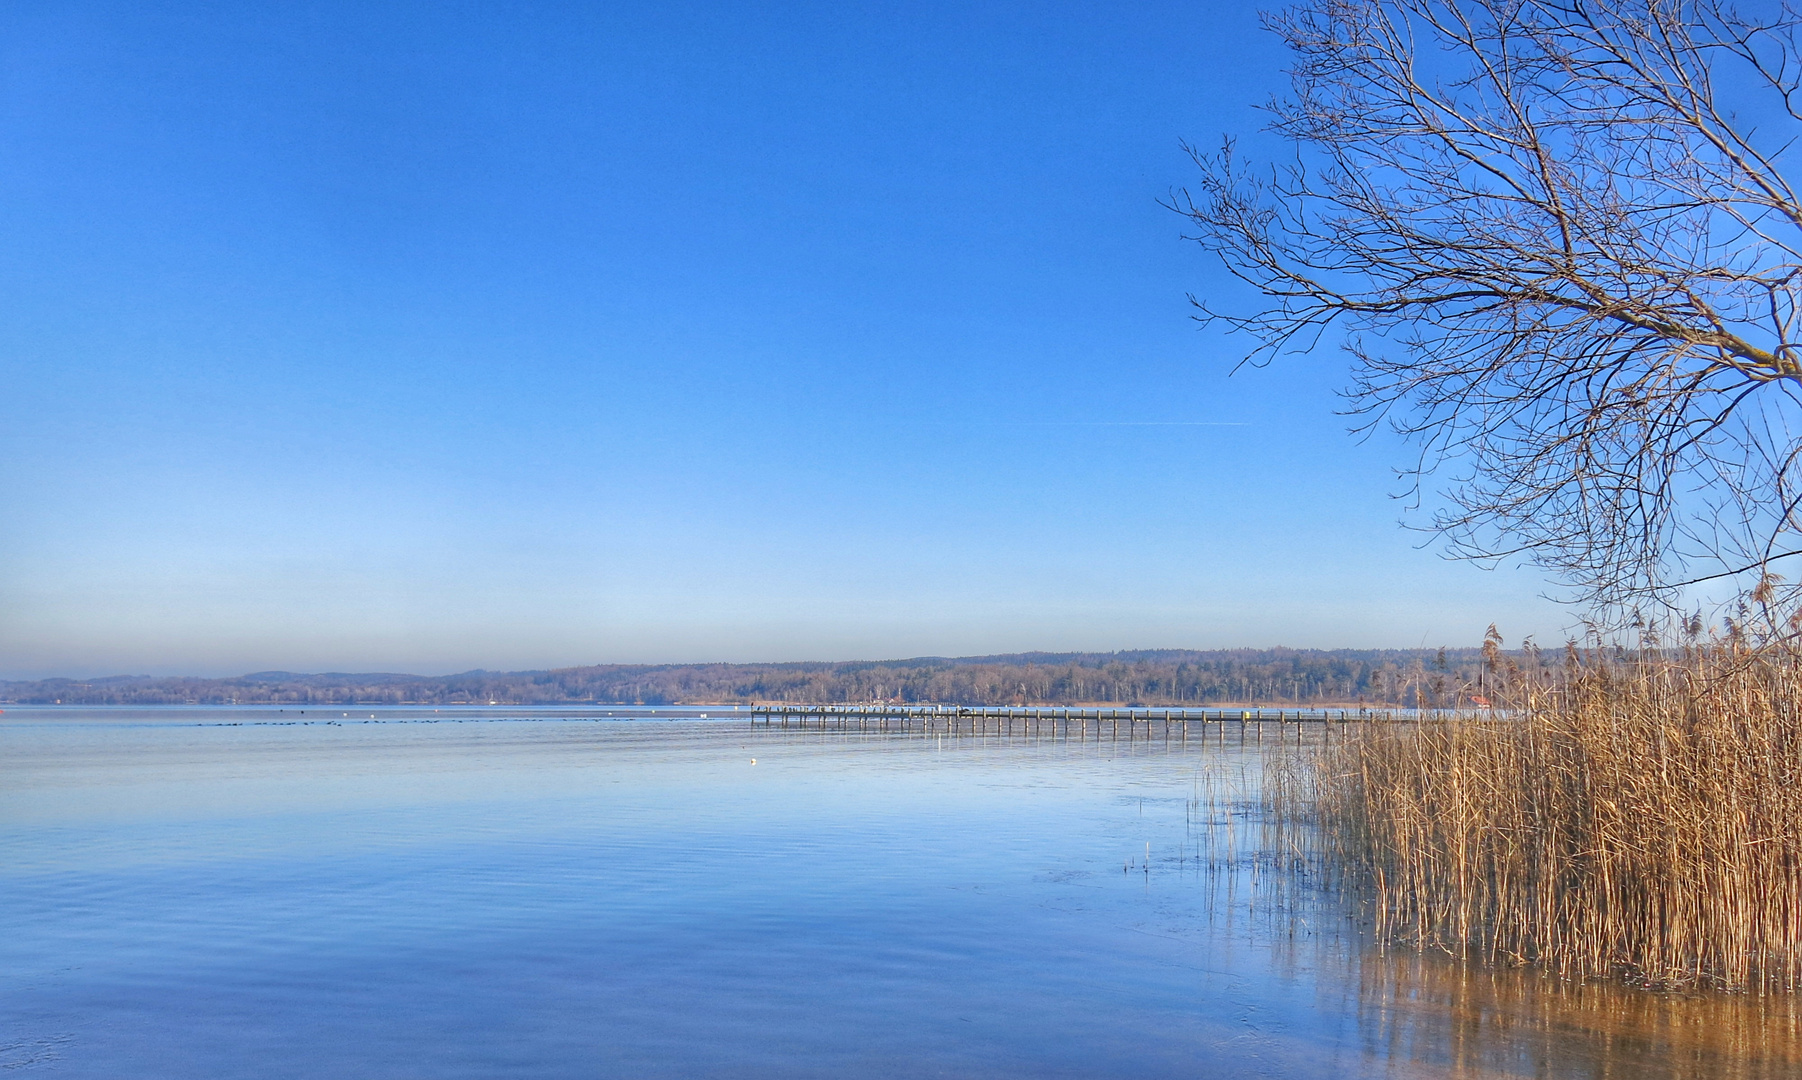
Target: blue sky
{"points": [[437, 336]]}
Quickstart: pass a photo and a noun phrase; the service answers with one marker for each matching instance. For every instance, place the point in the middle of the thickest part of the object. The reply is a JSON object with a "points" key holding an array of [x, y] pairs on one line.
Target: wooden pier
{"points": [[1040, 719]]}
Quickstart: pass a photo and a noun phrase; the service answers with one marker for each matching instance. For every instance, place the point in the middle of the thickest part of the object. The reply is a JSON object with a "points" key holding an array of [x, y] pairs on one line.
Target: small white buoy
{"points": [[753, 761]]}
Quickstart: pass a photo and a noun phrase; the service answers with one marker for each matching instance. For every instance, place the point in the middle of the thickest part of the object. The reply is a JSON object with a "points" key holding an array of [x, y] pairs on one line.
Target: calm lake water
{"points": [[246, 893]]}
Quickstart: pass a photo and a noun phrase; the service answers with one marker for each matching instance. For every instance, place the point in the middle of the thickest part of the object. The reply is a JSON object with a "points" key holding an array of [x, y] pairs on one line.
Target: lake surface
{"points": [[483, 893]]}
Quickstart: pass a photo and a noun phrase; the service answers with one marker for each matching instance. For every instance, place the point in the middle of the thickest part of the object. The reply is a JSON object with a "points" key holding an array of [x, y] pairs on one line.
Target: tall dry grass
{"points": [[1637, 819]]}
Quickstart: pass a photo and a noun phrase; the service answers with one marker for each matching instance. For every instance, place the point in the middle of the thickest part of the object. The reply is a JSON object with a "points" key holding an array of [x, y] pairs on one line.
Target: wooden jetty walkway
{"points": [[1039, 719]]}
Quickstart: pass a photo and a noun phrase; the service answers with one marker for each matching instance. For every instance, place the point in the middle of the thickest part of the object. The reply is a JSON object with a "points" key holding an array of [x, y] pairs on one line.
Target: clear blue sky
{"points": [[436, 336]]}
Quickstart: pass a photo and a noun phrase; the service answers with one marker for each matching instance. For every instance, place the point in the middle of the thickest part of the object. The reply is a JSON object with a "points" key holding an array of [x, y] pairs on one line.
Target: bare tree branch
{"points": [[1557, 241]]}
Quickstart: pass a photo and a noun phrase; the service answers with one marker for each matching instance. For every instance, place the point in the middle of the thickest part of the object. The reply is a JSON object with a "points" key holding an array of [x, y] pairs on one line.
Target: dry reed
{"points": [[1632, 818]]}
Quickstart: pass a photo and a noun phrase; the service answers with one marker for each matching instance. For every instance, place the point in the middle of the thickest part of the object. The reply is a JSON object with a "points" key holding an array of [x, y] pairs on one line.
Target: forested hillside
{"points": [[1153, 677]]}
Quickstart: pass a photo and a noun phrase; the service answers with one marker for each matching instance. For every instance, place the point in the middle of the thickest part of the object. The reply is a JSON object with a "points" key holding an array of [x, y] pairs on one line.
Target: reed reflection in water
{"points": [[1458, 1019]]}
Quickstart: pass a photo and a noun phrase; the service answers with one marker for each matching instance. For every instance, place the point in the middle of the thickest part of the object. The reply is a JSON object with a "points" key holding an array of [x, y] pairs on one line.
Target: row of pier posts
{"points": [[1030, 720]]}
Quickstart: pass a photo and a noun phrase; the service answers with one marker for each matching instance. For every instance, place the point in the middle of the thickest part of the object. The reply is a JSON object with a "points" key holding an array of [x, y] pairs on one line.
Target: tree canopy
{"points": [[1557, 240]]}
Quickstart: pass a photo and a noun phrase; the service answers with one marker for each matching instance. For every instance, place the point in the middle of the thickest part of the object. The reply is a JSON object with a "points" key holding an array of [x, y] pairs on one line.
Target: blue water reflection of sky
{"points": [[616, 899], [465, 894]]}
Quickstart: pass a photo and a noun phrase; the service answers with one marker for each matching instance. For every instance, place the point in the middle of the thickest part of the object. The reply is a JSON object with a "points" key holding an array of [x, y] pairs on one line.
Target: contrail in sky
{"points": [[1115, 423]]}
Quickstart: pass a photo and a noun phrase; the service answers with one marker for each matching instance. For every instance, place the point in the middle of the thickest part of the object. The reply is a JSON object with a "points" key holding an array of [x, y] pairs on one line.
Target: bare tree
{"points": [[1557, 240]]}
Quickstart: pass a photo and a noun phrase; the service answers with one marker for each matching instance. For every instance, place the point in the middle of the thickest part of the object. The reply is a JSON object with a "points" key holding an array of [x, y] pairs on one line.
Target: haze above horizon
{"points": [[410, 338]]}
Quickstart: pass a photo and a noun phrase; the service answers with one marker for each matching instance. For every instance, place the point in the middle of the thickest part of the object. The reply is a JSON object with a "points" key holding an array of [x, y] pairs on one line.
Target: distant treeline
{"points": [[1406, 677]]}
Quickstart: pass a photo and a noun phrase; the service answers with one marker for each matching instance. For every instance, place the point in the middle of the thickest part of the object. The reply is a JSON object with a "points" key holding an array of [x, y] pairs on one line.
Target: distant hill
{"points": [[1151, 677]]}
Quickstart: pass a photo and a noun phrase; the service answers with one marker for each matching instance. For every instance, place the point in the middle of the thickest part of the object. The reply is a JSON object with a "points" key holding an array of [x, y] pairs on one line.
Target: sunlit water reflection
{"points": [[416, 897]]}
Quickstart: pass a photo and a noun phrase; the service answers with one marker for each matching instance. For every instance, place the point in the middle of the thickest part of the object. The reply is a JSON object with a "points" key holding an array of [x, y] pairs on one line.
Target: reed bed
{"points": [[1637, 819]]}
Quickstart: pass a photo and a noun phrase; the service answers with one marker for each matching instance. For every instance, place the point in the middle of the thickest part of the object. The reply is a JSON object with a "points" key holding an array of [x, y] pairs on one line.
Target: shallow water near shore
{"points": [[474, 893]]}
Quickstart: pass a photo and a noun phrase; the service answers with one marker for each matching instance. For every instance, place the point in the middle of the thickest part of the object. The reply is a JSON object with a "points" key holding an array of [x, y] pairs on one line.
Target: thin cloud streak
{"points": [[1096, 423]]}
